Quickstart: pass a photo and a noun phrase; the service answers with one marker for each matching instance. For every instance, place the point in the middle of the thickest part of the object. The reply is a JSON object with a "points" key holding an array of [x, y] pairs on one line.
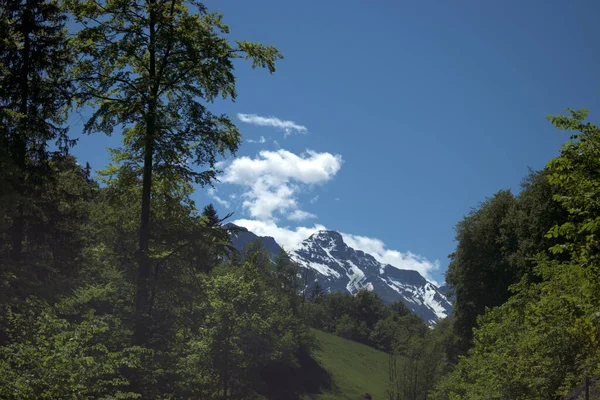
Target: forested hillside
{"points": [[525, 274], [115, 284]]}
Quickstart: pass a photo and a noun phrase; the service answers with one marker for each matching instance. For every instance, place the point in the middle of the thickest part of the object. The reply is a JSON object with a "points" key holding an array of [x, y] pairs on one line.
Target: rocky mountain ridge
{"points": [[340, 268]]}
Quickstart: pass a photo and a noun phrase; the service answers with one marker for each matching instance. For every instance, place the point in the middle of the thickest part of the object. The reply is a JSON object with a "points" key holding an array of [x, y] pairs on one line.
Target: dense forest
{"points": [[115, 284]]}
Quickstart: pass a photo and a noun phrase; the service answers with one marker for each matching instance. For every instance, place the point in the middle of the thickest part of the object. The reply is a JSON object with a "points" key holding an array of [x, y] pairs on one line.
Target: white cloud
{"points": [[282, 165], [314, 199], [261, 140], [290, 239], [407, 260], [273, 178], [287, 238], [299, 215], [288, 127], [212, 192]]}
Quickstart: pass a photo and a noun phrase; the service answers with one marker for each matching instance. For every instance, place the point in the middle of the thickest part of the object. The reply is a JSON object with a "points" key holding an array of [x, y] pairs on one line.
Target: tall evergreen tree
{"points": [[34, 93], [151, 67], [212, 217]]}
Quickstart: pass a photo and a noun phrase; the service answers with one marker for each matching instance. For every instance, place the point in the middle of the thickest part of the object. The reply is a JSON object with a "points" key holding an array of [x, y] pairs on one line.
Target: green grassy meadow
{"points": [[353, 367]]}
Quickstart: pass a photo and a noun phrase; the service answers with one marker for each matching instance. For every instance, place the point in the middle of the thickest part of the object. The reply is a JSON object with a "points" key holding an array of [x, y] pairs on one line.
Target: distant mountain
{"points": [[445, 290], [243, 236], [340, 268]]}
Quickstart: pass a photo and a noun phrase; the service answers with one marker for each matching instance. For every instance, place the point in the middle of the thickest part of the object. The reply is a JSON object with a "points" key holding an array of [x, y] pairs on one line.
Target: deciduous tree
{"points": [[152, 67]]}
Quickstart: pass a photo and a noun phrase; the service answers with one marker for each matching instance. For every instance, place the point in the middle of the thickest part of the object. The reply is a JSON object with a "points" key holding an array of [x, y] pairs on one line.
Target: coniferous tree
{"points": [[34, 93], [212, 218]]}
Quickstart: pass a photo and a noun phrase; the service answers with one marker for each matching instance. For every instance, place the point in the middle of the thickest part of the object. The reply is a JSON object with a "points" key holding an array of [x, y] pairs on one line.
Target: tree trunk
{"points": [[144, 262], [20, 140]]}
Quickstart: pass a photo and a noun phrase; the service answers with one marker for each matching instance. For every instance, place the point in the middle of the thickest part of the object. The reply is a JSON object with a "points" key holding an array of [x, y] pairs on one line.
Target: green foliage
{"points": [[34, 88], [352, 317], [56, 226], [575, 172], [479, 272], [152, 70], [249, 324], [34, 98], [536, 346], [346, 327], [545, 339], [496, 245], [52, 357], [355, 368]]}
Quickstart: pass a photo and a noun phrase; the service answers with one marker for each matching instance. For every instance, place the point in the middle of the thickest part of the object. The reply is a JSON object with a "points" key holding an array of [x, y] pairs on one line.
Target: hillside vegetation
{"points": [[355, 368], [117, 285]]}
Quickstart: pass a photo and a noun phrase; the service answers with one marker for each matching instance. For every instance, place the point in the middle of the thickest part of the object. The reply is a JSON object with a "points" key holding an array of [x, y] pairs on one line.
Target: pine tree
{"points": [[34, 94], [210, 214]]}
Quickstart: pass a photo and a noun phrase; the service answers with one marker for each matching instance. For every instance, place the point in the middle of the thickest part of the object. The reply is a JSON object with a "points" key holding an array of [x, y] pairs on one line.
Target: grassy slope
{"points": [[354, 368]]}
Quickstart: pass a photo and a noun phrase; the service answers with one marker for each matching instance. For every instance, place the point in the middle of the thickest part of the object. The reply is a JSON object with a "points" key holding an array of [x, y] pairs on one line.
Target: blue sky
{"points": [[388, 120]]}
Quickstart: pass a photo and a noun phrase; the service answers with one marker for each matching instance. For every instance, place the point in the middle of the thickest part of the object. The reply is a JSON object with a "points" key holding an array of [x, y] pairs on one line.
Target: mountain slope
{"points": [[340, 268], [242, 237], [354, 368]]}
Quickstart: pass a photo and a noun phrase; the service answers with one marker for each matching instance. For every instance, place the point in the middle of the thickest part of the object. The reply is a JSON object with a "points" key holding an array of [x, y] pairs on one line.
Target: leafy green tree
{"points": [[575, 172], [416, 359], [346, 327], [151, 67], [184, 246], [369, 307], [56, 357], [479, 272], [496, 245], [34, 95], [535, 212], [399, 309], [249, 325], [545, 339], [384, 333], [537, 345]]}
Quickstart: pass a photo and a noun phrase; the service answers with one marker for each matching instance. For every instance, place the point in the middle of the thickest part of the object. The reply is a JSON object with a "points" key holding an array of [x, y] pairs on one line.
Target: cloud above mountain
{"points": [[290, 239], [402, 260], [272, 181]]}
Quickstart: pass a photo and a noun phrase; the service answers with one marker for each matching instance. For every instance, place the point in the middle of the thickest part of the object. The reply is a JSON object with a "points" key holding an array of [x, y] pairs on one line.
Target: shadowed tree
{"points": [[151, 67], [34, 93]]}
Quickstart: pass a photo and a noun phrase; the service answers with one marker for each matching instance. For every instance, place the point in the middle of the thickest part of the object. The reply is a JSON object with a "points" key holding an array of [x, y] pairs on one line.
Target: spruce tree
{"points": [[34, 95], [210, 214]]}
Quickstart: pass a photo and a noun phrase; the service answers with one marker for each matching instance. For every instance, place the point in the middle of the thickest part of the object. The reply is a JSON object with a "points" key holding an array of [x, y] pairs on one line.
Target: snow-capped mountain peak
{"points": [[340, 268]]}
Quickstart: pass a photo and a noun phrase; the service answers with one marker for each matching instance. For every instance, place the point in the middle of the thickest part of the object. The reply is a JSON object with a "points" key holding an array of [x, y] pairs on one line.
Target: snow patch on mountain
{"points": [[340, 268]]}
